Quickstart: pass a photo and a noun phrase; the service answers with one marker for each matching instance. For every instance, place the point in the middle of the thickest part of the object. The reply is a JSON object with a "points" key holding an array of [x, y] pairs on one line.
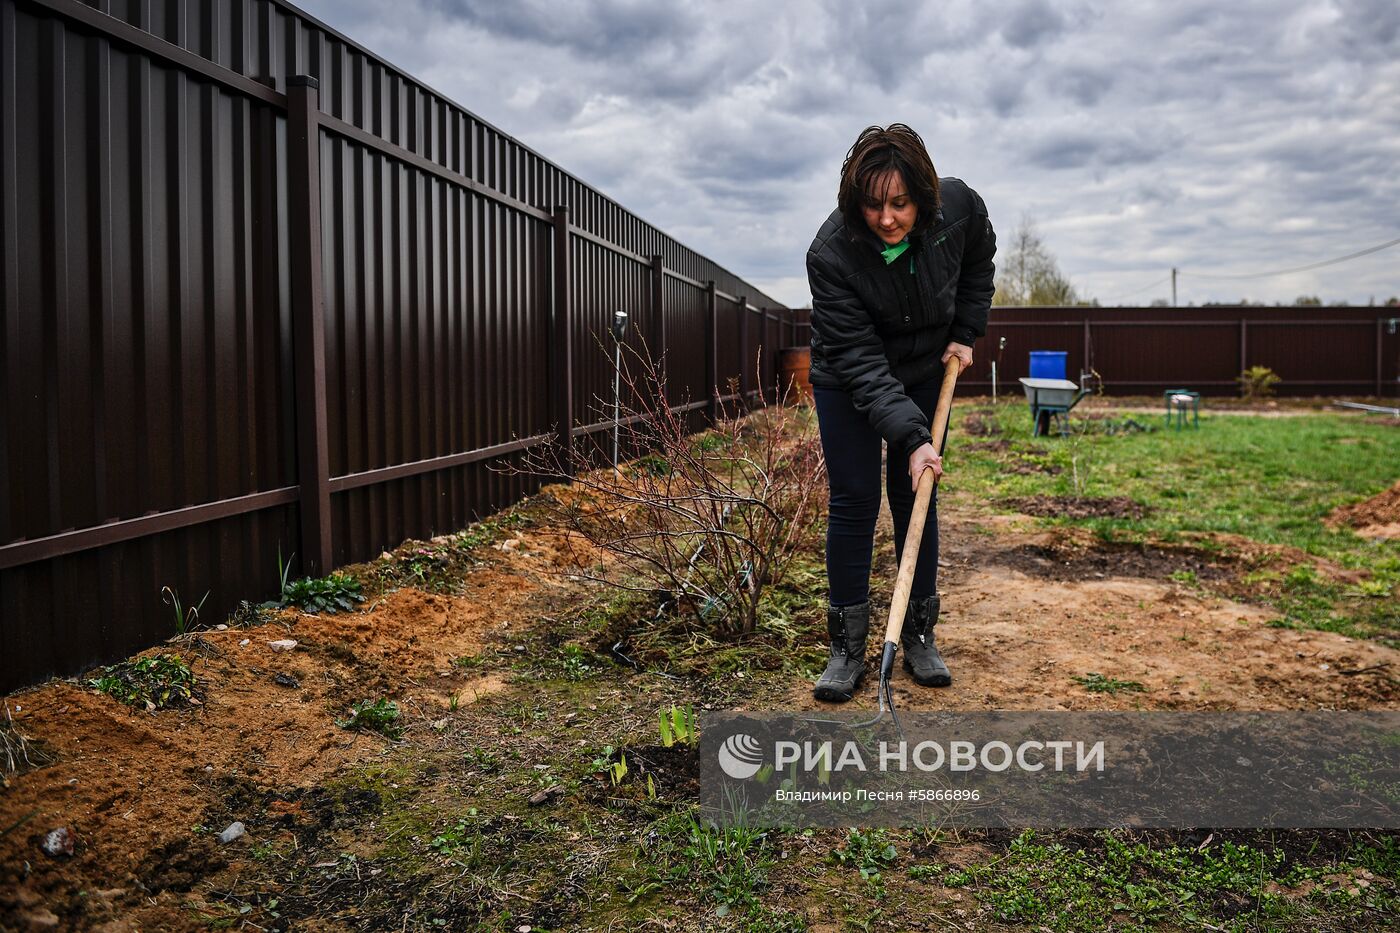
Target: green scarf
{"points": [[891, 253]]}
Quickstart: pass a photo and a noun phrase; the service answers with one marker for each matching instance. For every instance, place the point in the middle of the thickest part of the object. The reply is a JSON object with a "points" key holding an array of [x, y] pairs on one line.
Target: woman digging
{"points": [[901, 281]]}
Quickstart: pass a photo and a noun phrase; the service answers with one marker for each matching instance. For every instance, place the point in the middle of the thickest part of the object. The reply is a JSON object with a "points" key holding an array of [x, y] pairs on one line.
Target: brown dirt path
{"points": [[1015, 629]]}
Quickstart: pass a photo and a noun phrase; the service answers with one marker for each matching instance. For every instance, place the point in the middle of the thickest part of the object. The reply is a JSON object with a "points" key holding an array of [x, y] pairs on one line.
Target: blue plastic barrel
{"points": [[1048, 364]]}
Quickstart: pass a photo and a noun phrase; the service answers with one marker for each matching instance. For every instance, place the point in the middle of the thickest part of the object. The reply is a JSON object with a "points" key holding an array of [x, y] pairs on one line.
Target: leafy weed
{"points": [[161, 681]]}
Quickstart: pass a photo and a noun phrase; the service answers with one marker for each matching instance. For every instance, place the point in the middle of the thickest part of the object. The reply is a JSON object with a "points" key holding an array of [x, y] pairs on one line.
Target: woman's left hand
{"points": [[962, 352], [924, 458]]}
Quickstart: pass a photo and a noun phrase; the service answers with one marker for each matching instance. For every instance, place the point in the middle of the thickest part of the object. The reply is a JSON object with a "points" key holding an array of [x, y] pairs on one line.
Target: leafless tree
{"points": [[1027, 273]]}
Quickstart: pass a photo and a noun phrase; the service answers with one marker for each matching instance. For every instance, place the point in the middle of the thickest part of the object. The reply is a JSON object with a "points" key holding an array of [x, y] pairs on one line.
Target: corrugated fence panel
{"points": [[149, 431], [1331, 350], [269, 41], [728, 319], [434, 334], [1335, 350], [685, 334], [145, 369], [605, 283], [1147, 355], [1313, 353], [1021, 338]]}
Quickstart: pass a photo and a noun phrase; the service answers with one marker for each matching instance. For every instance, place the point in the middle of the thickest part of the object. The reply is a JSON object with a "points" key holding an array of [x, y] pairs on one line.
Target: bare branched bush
{"points": [[703, 522]]}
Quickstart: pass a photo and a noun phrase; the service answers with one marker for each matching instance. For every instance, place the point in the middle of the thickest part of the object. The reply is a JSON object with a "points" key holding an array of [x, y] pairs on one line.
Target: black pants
{"points": [[852, 449]]}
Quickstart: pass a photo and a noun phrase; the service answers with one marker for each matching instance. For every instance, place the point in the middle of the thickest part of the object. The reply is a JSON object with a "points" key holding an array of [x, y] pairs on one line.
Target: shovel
{"points": [[899, 601]]}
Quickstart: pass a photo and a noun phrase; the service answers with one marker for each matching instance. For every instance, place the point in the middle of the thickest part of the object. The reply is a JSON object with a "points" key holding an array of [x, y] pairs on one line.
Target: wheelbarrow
{"points": [[1053, 398]]}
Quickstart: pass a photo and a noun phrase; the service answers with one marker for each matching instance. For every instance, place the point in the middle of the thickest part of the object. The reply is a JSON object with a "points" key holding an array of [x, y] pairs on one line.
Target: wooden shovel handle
{"points": [[899, 602]]}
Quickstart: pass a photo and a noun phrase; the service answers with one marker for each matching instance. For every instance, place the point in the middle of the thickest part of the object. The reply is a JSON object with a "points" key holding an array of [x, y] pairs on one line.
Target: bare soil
{"points": [[978, 425], [1078, 506], [1024, 611], [1376, 517], [144, 794], [131, 785]]}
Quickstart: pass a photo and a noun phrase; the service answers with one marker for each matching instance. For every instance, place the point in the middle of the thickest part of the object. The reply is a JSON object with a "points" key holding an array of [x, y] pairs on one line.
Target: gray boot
{"points": [[921, 658], [848, 628]]}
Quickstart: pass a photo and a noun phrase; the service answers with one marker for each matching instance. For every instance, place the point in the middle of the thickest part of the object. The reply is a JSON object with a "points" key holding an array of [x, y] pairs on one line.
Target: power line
{"points": [[1143, 289], [1316, 265]]}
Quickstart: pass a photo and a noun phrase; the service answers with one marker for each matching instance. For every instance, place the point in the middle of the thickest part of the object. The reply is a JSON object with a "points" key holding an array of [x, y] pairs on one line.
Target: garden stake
{"points": [[899, 601], [619, 330]]}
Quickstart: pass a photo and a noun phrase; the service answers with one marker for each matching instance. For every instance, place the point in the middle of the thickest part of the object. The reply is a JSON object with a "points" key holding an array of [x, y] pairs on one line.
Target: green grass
{"points": [[462, 841], [1095, 682], [1134, 885], [1271, 480], [1305, 600], [730, 865]]}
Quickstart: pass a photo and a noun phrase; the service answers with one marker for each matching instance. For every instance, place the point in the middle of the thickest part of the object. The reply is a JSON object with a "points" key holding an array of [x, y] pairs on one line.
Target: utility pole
{"points": [[1173, 286]]}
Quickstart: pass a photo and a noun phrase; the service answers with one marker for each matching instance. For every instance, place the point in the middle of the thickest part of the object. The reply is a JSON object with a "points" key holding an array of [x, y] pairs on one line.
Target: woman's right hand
{"points": [[924, 457]]}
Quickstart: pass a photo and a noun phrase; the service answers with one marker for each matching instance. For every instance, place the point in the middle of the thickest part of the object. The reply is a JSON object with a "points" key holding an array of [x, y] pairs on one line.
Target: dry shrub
{"points": [[702, 521]]}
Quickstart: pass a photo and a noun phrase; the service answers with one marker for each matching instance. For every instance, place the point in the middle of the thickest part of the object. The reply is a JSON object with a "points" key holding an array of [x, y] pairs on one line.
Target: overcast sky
{"points": [[1221, 138]]}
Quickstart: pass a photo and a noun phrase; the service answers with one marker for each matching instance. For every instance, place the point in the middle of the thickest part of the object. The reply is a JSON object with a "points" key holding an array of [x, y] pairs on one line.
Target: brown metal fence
{"points": [[1143, 351], [262, 290]]}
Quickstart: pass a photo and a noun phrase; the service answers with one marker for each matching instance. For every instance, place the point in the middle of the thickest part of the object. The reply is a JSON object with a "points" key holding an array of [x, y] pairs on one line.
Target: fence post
{"points": [[1087, 344], [711, 347], [745, 387], [658, 317], [762, 387], [1380, 362], [1244, 344], [773, 323], [561, 347], [775, 357], [308, 320]]}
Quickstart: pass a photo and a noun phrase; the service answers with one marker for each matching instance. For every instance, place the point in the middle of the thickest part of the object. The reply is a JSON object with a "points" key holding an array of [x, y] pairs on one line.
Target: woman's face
{"points": [[889, 210]]}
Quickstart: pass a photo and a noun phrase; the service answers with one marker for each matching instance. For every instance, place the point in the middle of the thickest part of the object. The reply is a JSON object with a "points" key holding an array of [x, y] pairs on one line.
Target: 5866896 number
{"points": [[938, 794]]}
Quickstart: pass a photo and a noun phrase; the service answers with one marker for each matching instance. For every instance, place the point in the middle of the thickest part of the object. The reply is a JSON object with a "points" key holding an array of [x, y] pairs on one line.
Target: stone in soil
{"points": [[59, 842]]}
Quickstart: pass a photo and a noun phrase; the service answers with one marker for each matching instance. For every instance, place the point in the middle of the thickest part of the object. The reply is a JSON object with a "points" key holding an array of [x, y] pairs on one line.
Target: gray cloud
{"points": [[614, 28], [1370, 28], [1160, 193], [888, 41], [1214, 137], [1032, 23], [1005, 92], [1085, 86], [730, 156], [1080, 149]]}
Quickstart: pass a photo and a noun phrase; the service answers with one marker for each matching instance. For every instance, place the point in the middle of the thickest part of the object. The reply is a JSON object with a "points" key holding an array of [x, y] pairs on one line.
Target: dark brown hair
{"points": [[876, 151]]}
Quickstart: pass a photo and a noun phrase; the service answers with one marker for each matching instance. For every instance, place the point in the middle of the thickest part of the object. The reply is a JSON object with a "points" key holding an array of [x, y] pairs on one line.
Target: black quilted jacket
{"points": [[878, 328]]}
